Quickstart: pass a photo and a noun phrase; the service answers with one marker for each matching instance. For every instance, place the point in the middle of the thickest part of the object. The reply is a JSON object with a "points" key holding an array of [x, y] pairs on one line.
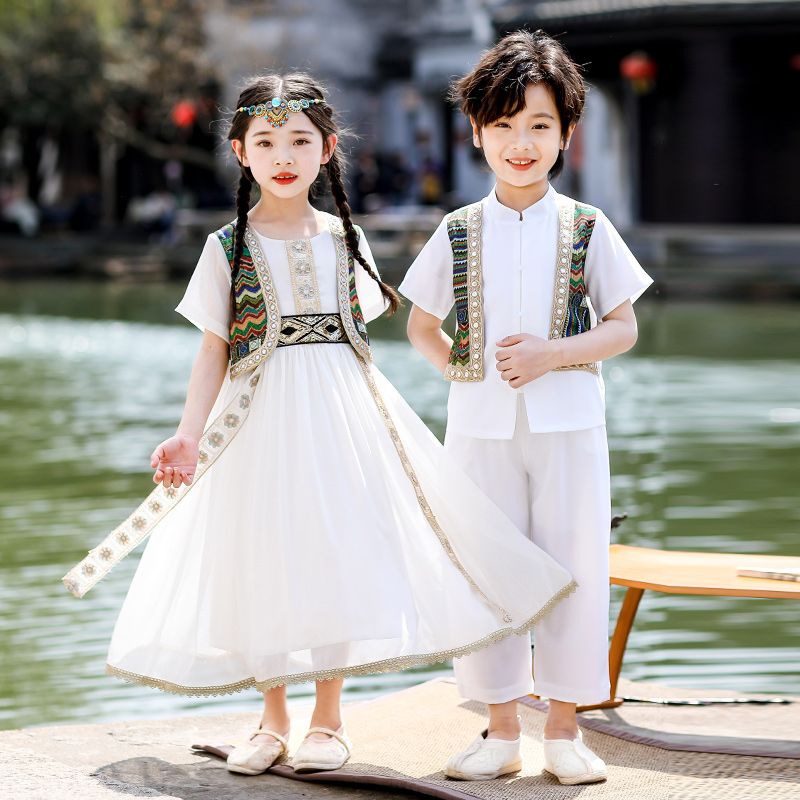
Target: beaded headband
{"points": [[277, 110]]}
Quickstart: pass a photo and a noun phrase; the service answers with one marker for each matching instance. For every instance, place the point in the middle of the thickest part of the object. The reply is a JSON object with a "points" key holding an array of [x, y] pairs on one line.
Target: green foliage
{"points": [[72, 62]]}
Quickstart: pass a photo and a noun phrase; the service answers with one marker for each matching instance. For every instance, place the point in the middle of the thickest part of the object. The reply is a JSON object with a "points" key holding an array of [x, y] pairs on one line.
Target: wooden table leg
{"points": [[619, 641]]}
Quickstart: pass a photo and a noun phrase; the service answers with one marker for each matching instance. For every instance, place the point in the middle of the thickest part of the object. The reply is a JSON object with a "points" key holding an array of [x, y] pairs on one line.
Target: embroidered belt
{"points": [[312, 329]]}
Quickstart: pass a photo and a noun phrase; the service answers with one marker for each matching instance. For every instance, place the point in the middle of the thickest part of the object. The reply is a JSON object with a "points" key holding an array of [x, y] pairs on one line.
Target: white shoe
{"points": [[485, 759], [332, 753], [253, 759], [571, 761]]}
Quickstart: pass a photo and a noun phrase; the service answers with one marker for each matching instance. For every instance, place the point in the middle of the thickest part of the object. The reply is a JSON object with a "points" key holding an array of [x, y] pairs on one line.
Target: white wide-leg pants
{"points": [[555, 487]]}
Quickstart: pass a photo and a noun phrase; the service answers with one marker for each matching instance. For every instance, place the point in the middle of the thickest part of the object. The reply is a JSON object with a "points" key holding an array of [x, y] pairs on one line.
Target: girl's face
{"points": [[284, 161], [522, 149]]}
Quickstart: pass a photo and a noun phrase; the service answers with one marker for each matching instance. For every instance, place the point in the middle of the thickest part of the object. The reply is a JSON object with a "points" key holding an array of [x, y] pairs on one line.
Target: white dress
{"points": [[333, 536]]}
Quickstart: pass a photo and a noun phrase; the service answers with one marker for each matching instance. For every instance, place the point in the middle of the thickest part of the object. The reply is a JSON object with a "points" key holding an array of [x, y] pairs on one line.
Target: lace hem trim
{"points": [[376, 667]]}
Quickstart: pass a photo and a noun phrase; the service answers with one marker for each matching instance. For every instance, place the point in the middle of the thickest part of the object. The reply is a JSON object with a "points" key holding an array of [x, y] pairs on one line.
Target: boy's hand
{"points": [[523, 358], [175, 460]]}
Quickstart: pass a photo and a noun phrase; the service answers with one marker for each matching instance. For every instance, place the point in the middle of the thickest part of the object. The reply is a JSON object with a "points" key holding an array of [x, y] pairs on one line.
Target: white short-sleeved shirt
{"points": [[206, 302], [518, 257]]}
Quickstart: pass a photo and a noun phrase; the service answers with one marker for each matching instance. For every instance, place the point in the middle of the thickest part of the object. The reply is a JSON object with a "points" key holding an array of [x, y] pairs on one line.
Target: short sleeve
{"points": [[370, 297], [613, 275], [206, 302], [429, 280]]}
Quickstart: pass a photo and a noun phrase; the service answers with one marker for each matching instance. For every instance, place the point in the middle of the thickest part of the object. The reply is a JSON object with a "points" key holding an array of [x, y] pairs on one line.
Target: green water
{"points": [[704, 426]]}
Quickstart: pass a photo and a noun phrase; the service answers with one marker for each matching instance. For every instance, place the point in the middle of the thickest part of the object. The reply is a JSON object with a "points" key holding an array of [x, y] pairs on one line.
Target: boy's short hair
{"points": [[496, 86]]}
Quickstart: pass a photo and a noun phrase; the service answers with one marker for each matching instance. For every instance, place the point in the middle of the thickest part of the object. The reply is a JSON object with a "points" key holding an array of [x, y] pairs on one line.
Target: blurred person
{"points": [[18, 212], [320, 543], [526, 410]]}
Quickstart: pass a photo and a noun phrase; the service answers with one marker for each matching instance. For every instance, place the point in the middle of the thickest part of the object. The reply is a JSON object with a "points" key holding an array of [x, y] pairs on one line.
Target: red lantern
{"points": [[640, 70], [184, 114]]}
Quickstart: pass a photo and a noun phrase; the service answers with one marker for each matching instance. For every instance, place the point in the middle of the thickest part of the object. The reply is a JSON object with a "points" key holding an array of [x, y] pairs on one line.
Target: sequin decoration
{"points": [[302, 272], [464, 229]]}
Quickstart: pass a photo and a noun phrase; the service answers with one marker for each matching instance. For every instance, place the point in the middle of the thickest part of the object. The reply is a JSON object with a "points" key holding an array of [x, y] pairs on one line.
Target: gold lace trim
{"points": [[474, 370], [387, 665], [300, 255], [421, 499], [343, 285], [566, 216]]}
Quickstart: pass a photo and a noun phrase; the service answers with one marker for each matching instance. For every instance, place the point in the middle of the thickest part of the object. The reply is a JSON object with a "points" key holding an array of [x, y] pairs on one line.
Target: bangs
{"points": [[496, 86], [505, 94]]}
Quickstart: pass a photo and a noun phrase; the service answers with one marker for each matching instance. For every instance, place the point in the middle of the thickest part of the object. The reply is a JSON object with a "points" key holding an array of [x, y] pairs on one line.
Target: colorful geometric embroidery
{"points": [[571, 315], [249, 325], [349, 307], [312, 329], [464, 231], [577, 320], [355, 306]]}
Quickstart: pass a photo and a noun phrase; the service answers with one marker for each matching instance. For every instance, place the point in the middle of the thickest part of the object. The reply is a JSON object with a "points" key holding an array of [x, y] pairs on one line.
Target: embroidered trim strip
{"points": [[466, 356], [387, 665], [408, 467], [270, 341], [140, 524], [570, 314], [349, 306], [300, 255]]}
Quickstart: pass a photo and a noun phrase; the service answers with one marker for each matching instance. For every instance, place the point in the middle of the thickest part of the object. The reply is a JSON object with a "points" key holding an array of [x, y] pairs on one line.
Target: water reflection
{"points": [[704, 431]]}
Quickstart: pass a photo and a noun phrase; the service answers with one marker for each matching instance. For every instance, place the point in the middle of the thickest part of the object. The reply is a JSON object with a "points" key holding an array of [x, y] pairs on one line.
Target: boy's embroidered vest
{"points": [[570, 311], [256, 323]]}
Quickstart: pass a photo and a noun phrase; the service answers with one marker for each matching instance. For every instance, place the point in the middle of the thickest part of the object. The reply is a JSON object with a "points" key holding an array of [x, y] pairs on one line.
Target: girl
{"points": [[321, 544]]}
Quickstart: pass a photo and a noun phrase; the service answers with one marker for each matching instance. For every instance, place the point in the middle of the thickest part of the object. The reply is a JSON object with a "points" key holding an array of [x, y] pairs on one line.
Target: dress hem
{"points": [[376, 667]]}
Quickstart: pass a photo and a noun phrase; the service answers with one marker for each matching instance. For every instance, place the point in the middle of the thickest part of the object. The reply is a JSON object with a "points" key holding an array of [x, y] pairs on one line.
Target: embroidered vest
{"points": [[256, 323], [570, 310]]}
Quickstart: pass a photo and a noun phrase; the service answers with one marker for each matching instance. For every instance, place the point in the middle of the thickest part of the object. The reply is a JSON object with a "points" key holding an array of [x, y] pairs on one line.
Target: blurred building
{"points": [[694, 108], [691, 115]]}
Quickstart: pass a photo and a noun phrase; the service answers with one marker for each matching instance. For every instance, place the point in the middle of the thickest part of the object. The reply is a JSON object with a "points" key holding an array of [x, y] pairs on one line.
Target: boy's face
{"points": [[522, 149]]}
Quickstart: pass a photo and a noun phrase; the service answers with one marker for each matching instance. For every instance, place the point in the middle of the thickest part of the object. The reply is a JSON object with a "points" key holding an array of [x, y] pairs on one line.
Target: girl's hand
{"points": [[175, 460]]}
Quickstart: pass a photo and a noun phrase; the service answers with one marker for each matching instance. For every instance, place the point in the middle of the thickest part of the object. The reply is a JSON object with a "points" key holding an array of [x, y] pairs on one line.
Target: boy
{"points": [[526, 411]]}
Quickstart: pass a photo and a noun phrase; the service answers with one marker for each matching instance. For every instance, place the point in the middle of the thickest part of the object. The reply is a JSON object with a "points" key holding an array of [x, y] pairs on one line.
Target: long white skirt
{"points": [[333, 536]]}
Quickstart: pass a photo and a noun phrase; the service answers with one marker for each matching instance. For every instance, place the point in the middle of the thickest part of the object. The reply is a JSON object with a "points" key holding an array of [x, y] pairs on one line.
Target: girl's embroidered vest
{"points": [[256, 324], [570, 311]]}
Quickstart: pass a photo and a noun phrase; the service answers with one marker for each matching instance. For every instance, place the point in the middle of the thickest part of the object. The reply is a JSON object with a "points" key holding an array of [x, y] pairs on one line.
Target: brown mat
{"points": [[706, 721], [403, 740]]}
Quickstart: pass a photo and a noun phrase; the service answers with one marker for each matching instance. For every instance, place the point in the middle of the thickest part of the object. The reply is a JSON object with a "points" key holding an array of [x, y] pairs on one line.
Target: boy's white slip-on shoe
{"points": [[332, 753], [257, 757], [485, 759], [572, 762]]}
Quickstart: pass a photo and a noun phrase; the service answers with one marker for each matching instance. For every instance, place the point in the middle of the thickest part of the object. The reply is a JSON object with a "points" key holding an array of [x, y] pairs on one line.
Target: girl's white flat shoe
{"points": [[332, 753], [258, 757]]}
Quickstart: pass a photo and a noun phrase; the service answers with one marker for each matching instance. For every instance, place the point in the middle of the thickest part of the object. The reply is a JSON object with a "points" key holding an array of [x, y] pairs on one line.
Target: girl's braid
{"points": [[334, 168], [242, 207]]}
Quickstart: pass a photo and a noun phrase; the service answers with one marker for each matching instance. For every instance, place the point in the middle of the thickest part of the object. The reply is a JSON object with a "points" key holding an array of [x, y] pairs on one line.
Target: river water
{"points": [[704, 428]]}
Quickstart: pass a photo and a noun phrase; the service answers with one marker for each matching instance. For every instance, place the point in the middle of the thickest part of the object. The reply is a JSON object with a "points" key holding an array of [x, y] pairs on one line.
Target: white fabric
{"points": [[304, 547], [555, 488], [518, 256]]}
